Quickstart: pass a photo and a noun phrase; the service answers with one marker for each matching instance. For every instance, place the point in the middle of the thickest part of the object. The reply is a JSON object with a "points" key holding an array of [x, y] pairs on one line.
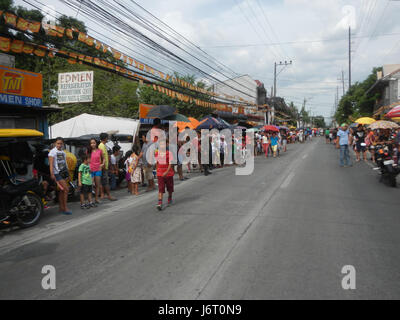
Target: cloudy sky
{"points": [[248, 36]]}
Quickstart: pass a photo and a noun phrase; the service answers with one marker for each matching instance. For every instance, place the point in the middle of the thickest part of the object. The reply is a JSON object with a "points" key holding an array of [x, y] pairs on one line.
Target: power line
{"points": [[106, 14], [300, 41]]}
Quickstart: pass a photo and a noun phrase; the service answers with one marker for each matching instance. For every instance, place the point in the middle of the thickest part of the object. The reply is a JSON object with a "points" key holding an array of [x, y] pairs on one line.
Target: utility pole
{"points": [[342, 79], [275, 75], [337, 96], [349, 57]]}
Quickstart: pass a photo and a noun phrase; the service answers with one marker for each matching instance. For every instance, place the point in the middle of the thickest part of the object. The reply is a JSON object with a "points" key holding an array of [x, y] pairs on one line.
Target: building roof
{"points": [[386, 77]]}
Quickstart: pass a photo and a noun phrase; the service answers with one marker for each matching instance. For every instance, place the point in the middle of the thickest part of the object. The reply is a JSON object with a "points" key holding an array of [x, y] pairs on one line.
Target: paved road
{"points": [[284, 232]]}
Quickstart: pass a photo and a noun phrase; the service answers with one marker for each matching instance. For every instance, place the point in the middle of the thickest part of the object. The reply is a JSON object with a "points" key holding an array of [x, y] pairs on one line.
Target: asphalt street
{"points": [[284, 232]]}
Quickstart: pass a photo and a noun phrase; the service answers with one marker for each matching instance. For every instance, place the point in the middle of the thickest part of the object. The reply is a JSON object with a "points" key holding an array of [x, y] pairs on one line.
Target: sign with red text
{"points": [[75, 87]]}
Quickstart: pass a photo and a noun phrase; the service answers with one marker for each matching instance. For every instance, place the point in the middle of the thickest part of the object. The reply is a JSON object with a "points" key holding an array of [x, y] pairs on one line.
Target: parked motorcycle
{"points": [[21, 196], [386, 165]]}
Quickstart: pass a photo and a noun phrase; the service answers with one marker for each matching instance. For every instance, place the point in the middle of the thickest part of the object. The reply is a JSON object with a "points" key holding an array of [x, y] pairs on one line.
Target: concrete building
{"points": [[247, 90], [388, 88]]}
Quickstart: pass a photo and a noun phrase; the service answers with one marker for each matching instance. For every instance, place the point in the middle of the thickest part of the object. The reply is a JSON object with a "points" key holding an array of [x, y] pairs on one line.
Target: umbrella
{"points": [[397, 119], [183, 125], [394, 113], [270, 128], [210, 123], [253, 129], [161, 111], [224, 122], [177, 117], [354, 125], [283, 128], [194, 122], [382, 124], [238, 127], [365, 120]]}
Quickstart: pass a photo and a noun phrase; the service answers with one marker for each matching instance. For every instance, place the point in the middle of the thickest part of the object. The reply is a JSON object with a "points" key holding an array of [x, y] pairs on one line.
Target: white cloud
{"points": [[315, 66]]}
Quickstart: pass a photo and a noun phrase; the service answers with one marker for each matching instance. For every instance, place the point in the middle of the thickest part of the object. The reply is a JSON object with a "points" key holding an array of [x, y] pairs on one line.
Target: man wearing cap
{"points": [[342, 142]]}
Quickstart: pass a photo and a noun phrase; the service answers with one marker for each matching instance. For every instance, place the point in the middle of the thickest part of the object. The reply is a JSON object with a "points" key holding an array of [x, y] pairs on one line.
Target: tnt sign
{"points": [[12, 83], [20, 87]]}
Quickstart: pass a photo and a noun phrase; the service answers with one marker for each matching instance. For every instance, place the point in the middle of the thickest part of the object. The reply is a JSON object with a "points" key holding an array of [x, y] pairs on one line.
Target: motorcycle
{"points": [[386, 165], [21, 195]]}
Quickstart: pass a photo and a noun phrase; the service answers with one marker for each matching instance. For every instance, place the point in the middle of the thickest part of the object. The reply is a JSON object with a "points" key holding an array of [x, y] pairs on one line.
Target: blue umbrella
{"points": [[211, 123]]}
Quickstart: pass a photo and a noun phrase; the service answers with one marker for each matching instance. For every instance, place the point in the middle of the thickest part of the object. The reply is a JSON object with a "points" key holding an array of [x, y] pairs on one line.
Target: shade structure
{"points": [[194, 122], [365, 120], [353, 125], [177, 117], [183, 125], [211, 123], [238, 127], [383, 124], [394, 113], [270, 128], [161, 111], [253, 129]]}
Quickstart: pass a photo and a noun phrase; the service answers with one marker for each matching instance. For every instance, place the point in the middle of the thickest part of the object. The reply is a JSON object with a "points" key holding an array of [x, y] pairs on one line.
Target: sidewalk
{"points": [[51, 216]]}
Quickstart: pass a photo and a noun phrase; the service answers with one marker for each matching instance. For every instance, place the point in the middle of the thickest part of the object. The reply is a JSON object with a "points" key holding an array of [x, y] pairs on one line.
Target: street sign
{"points": [[20, 87], [74, 87]]}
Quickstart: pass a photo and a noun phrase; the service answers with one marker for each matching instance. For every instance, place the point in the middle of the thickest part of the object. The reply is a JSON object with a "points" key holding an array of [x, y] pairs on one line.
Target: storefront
{"points": [[21, 104]]}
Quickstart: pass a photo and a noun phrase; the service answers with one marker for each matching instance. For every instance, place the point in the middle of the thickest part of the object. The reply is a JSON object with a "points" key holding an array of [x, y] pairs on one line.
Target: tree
{"points": [[356, 102], [150, 96], [113, 95], [319, 122]]}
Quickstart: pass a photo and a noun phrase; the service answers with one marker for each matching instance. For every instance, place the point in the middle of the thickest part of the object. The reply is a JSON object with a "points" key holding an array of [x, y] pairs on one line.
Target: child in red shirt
{"points": [[165, 173]]}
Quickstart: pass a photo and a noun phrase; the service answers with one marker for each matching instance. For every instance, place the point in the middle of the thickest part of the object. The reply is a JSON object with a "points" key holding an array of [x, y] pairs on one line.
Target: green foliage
{"points": [[356, 103], [113, 95], [150, 96], [319, 122]]}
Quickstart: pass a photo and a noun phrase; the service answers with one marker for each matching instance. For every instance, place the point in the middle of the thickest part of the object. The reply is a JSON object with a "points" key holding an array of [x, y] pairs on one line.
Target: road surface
{"points": [[285, 232]]}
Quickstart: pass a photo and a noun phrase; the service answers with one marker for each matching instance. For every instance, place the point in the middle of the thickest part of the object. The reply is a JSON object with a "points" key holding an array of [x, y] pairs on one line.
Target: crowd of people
{"points": [[362, 140], [100, 168]]}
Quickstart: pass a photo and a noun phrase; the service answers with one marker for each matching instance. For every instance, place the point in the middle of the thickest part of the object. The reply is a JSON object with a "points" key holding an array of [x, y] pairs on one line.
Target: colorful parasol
{"points": [[383, 124], [194, 122], [183, 125], [365, 120], [394, 113], [270, 128]]}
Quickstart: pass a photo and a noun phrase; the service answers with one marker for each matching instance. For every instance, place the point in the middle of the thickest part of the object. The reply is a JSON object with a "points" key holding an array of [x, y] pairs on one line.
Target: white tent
{"points": [[92, 124]]}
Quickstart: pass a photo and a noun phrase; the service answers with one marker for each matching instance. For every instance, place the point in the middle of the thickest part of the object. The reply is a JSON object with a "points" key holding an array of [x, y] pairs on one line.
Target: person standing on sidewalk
{"points": [[85, 182], [359, 136], [96, 164], [114, 167], [105, 177], [344, 139], [265, 143], [59, 173], [147, 167]]}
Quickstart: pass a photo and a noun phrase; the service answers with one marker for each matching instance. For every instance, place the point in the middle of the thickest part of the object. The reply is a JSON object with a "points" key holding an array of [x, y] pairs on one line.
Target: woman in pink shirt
{"points": [[97, 162]]}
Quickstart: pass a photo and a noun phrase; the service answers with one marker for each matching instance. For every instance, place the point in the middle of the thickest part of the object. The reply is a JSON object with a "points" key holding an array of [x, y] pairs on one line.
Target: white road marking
{"points": [[287, 181]]}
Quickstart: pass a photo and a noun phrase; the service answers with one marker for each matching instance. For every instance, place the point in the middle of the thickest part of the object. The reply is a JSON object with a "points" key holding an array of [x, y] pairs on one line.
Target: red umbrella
{"points": [[393, 113], [270, 128]]}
